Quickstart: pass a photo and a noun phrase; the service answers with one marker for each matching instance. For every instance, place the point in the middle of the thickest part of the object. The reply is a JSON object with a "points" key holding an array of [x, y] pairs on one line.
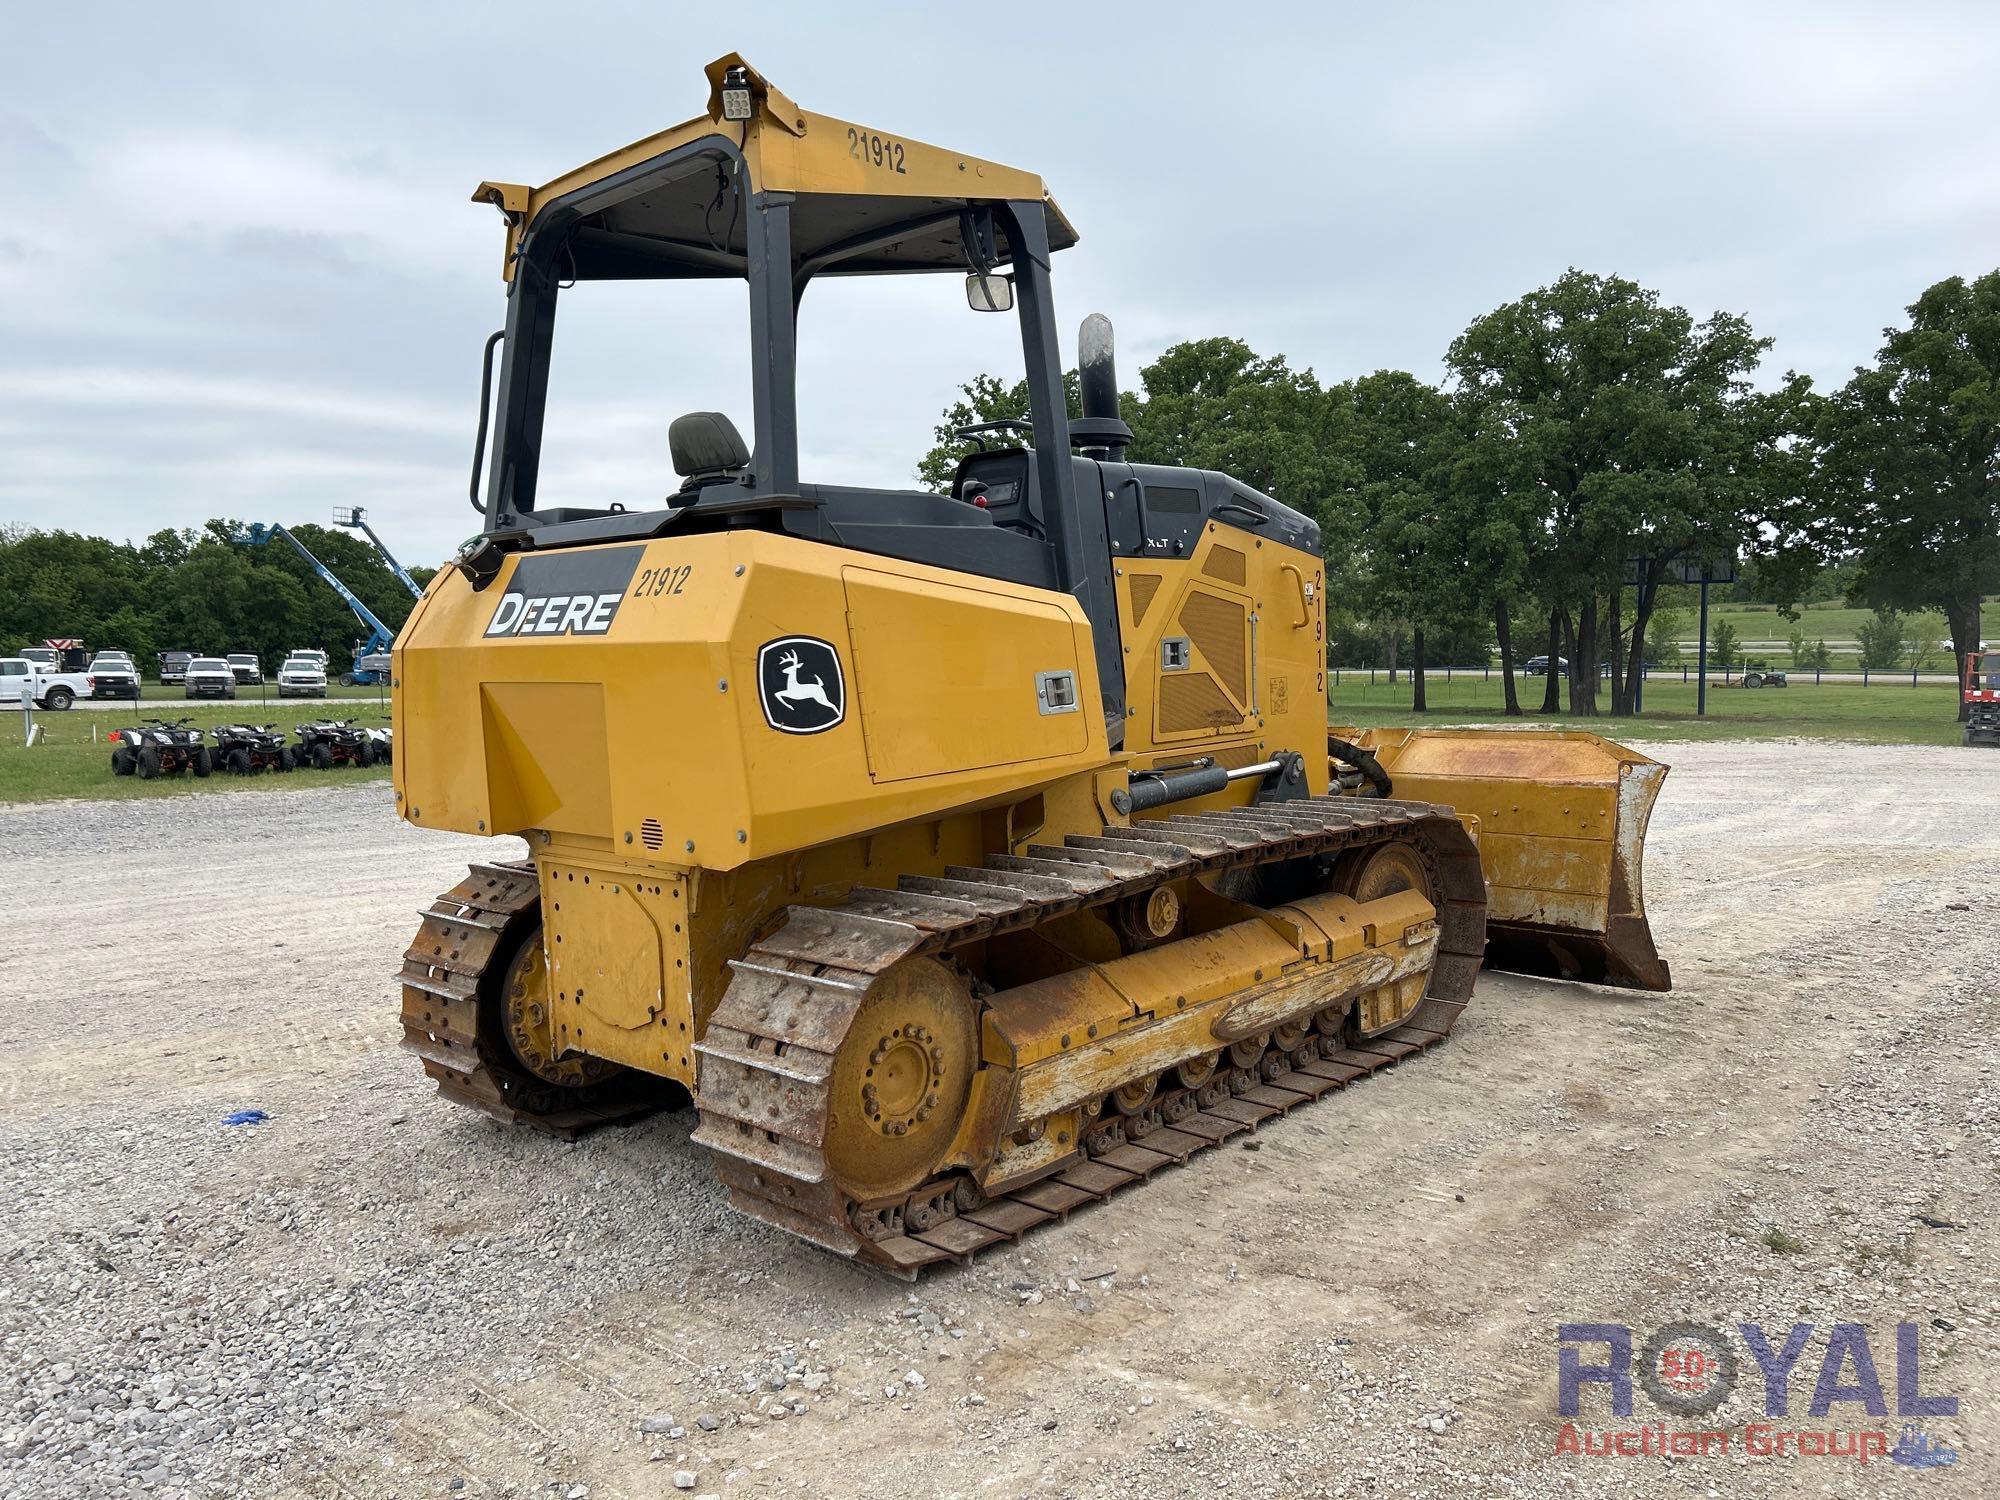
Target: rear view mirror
{"points": [[989, 293]]}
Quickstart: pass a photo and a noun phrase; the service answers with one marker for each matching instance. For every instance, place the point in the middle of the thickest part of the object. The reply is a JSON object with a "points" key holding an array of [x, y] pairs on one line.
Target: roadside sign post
{"points": [[1713, 570], [1701, 655], [1702, 571]]}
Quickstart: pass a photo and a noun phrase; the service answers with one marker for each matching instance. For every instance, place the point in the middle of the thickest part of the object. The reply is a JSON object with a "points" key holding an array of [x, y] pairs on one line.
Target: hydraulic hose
{"points": [[1364, 761]]}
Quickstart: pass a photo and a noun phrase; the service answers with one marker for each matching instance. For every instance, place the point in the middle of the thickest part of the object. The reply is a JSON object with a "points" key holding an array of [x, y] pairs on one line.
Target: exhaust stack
{"points": [[1100, 433]]}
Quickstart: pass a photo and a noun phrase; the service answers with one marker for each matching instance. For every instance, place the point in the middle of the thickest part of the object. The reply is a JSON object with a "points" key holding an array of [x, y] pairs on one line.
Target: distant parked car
{"points": [[302, 677], [20, 677], [246, 667], [210, 677], [45, 658], [112, 675], [174, 665], [1538, 666]]}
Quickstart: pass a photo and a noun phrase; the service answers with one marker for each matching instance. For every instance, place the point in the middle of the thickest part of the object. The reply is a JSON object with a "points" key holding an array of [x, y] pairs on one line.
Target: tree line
{"points": [[201, 589], [1590, 447]]}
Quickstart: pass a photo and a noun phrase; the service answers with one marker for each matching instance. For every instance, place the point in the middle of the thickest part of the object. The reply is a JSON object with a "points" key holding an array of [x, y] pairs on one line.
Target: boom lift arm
{"points": [[380, 636], [354, 518]]}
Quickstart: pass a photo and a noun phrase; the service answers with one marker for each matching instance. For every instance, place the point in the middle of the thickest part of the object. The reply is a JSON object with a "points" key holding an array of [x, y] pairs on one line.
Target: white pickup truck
{"points": [[55, 691]]}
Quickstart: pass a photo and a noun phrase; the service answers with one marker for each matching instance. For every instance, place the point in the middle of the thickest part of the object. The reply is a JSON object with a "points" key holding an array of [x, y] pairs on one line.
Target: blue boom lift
{"points": [[371, 657], [352, 517]]}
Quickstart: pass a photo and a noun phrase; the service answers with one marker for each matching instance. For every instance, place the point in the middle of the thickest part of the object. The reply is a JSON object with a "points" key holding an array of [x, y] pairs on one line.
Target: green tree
{"points": [[1722, 646], [1217, 404], [1495, 526], [1412, 561], [984, 398], [166, 549], [126, 629], [1624, 429], [1910, 452], [1920, 643], [200, 589], [1205, 403], [1664, 632], [1881, 638]]}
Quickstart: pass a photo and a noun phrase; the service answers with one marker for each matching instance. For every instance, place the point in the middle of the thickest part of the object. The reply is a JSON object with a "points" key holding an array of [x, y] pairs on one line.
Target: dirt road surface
{"points": [[374, 1294]]}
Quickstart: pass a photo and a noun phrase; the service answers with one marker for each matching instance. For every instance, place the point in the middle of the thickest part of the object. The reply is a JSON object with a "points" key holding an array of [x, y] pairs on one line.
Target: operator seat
{"points": [[707, 449]]}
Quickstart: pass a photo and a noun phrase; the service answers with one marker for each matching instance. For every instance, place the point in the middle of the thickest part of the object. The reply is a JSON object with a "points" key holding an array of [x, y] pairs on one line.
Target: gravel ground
{"points": [[375, 1294]]}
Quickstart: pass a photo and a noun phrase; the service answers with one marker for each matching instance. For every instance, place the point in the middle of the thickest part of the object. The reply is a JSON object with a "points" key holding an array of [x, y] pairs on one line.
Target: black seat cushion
{"points": [[705, 443]]}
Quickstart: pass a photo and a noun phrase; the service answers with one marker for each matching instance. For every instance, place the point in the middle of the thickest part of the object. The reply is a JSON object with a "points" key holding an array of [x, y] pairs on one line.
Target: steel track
{"points": [[768, 1051]]}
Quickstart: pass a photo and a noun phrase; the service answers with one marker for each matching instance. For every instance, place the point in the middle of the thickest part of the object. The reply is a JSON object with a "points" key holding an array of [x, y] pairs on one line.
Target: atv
{"points": [[243, 748], [160, 745], [326, 743], [384, 741]]}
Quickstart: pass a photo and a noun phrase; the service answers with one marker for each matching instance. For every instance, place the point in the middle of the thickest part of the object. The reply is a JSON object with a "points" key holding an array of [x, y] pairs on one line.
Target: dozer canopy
{"points": [[865, 200], [762, 191]]}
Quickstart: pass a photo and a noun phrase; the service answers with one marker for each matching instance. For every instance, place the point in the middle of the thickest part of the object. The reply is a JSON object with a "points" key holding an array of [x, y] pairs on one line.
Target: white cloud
{"points": [[208, 185], [207, 395]]}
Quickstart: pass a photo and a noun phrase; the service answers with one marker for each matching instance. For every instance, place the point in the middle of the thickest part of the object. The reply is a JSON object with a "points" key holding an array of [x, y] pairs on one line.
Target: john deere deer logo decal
{"points": [[800, 683]]}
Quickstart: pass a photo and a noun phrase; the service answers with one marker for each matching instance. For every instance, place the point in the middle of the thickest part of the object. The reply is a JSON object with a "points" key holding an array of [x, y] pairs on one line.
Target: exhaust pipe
{"points": [[1100, 433]]}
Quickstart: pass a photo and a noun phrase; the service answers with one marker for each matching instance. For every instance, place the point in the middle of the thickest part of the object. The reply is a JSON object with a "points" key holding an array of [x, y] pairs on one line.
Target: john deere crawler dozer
{"points": [[968, 856]]}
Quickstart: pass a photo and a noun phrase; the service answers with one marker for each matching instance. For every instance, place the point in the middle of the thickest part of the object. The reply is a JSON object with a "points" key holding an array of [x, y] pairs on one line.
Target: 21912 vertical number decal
{"points": [[875, 150]]}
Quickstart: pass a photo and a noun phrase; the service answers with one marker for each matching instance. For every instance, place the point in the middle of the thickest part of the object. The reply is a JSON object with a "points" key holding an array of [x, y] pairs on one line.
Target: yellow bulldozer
{"points": [[966, 857]]}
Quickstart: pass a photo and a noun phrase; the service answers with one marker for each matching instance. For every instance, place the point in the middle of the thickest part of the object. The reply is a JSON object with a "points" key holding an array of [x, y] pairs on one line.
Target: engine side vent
{"points": [[651, 834], [1215, 625], [1191, 700], [1226, 563], [1144, 586]]}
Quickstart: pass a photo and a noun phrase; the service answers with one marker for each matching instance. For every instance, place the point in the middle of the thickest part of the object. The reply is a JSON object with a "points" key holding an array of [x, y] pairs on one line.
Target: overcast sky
{"points": [[240, 274]]}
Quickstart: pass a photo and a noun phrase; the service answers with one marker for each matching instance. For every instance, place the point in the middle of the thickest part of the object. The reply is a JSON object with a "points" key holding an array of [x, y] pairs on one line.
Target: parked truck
{"points": [[22, 678]]}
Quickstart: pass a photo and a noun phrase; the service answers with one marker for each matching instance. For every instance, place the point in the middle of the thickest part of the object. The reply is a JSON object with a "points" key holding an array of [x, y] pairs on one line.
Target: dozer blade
{"points": [[1562, 835]]}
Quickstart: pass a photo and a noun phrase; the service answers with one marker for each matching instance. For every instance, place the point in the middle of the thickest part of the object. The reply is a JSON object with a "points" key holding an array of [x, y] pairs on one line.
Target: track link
{"points": [[768, 1051], [467, 933]]}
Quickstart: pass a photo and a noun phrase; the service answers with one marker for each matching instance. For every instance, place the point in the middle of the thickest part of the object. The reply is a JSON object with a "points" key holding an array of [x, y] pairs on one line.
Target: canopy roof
{"points": [[864, 201]]}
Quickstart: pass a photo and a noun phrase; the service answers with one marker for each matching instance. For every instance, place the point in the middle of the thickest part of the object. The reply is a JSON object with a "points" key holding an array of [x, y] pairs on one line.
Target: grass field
{"points": [[1762, 631], [1880, 714], [74, 759]]}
